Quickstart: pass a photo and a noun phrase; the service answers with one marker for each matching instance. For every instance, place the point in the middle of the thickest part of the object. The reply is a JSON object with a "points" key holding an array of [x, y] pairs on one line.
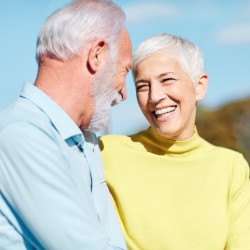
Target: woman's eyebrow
{"points": [[164, 74], [158, 77], [141, 81]]}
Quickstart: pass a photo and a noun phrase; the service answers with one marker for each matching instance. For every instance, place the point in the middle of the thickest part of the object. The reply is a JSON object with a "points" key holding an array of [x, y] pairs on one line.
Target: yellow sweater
{"points": [[184, 195]]}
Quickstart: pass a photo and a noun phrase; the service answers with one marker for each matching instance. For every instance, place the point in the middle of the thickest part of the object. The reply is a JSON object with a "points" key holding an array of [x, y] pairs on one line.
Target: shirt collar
{"points": [[193, 147], [65, 126]]}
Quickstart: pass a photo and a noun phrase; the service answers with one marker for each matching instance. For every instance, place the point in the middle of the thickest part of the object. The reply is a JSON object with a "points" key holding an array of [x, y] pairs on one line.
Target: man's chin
{"points": [[97, 126]]}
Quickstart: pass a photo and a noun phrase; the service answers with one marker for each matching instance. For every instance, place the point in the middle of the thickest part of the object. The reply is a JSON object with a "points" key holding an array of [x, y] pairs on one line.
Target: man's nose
{"points": [[122, 96], [123, 93]]}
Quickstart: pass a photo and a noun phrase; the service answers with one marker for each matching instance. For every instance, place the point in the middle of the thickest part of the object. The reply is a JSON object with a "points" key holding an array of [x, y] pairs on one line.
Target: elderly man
{"points": [[53, 193]]}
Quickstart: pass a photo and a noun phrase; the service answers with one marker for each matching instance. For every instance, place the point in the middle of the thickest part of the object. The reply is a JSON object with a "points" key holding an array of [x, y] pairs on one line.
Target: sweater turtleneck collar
{"points": [[157, 144]]}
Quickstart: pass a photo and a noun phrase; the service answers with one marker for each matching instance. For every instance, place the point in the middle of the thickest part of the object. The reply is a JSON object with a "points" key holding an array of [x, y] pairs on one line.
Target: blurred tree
{"points": [[227, 126]]}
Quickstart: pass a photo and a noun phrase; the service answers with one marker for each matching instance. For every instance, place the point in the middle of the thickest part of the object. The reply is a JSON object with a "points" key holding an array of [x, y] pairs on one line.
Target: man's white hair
{"points": [[68, 29], [185, 52]]}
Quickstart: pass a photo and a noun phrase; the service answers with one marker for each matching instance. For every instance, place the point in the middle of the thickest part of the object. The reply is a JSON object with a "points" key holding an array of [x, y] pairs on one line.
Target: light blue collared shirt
{"points": [[53, 192]]}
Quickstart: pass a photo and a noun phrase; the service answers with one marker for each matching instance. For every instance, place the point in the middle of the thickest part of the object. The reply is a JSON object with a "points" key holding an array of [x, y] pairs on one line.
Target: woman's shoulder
{"points": [[120, 141], [222, 151], [113, 139]]}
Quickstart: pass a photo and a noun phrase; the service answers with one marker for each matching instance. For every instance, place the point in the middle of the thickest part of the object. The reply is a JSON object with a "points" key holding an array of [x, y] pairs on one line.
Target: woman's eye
{"points": [[142, 88], [168, 80]]}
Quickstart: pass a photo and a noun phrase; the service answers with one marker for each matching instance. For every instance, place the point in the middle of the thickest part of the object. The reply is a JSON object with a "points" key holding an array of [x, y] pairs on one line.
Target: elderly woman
{"points": [[172, 189]]}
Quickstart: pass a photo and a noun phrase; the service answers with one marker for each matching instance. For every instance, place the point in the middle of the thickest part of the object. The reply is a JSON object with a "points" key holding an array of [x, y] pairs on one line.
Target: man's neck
{"points": [[69, 86]]}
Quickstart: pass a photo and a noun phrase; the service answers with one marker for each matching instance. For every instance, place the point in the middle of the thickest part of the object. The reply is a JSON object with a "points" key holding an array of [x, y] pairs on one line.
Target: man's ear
{"points": [[96, 54], [201, 87]]}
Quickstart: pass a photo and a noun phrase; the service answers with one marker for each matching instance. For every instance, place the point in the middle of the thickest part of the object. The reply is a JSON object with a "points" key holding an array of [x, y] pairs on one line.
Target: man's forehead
{"points": [[125, 41]]}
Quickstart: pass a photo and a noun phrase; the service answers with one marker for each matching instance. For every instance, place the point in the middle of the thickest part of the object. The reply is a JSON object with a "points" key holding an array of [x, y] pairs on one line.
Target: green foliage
{"points": [[227, 126]]}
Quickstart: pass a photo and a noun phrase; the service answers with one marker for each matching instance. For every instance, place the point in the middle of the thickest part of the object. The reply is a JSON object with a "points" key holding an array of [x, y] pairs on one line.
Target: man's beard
{"points": [[104, 94]]}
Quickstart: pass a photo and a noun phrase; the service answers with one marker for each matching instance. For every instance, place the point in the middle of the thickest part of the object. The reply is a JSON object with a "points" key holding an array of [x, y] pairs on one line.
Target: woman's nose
{"points": [[156, 93]]}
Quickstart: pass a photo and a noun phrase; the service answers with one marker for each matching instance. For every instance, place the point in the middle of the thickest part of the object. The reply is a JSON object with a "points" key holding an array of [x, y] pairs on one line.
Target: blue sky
{"points": [[220, 28]]}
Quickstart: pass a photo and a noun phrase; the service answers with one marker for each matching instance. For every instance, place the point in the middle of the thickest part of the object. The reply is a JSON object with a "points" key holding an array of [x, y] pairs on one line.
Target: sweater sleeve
{"points": [[239, 229]]}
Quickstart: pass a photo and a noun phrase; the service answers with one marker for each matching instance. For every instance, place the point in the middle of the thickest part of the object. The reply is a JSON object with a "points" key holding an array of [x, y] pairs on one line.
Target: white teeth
{"points": [[165, 110]]}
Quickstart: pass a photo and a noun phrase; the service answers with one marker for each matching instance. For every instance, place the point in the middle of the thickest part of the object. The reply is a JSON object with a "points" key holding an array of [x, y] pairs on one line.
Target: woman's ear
{"points": [[96, 55], [201, 87]]}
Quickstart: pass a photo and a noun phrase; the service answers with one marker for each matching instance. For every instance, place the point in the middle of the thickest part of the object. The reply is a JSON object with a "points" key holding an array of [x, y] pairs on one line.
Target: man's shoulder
{"points": [[26, 130], [22, 113]]}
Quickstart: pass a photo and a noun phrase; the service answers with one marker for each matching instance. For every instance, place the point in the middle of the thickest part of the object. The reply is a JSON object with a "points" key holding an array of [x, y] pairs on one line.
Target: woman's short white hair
{"points": [[185, 52], [68, 29]]}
